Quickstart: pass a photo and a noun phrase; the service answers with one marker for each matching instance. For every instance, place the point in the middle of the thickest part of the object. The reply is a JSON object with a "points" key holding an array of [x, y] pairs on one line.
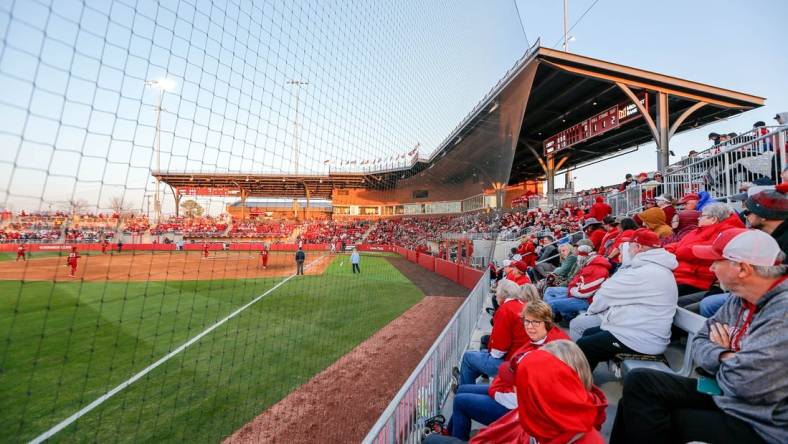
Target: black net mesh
{"points": [[141, 144]]}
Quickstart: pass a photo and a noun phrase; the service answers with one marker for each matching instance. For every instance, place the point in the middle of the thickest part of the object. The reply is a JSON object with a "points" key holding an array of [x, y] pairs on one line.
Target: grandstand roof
{"points": [[270, 185], [569, 88], [557, 90]]}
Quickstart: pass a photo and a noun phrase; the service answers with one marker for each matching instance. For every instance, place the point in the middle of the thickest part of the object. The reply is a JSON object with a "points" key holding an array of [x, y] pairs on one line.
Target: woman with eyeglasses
{"points": [[557, 401], [693, 274], [485, 403]]}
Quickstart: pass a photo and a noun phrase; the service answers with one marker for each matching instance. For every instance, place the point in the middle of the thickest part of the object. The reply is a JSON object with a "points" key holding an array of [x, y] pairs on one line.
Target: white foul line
{"points": [[84, 410]]}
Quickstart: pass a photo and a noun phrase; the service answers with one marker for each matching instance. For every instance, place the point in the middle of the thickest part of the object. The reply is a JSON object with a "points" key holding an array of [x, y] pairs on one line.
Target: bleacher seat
{"points": [[685, 320]]}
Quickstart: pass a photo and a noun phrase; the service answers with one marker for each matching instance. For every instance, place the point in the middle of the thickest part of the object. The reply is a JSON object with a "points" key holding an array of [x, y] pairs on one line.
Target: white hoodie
{"points": [[638, 302]]}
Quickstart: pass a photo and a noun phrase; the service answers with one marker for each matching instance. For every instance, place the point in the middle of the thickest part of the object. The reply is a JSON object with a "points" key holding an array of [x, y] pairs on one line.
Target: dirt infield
{"points": [[160, 266], [341, 403]]}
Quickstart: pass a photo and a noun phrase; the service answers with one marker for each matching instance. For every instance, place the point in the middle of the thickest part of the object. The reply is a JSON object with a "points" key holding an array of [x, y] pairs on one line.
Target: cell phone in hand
{"points": [[708, 386]]}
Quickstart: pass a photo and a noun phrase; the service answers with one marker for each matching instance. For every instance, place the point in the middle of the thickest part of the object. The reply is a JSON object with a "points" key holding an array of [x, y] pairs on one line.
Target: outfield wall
{"points": [[455, 272]]}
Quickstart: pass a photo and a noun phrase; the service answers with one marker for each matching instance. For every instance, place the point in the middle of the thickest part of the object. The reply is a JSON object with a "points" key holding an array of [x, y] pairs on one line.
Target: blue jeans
{"points": [[476, 363], [710, 304], [559, 300], [473, 403]]}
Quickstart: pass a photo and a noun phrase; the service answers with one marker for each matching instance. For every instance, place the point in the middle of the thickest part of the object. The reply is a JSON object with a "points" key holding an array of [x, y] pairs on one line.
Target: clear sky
{"points": [[383, 77]]}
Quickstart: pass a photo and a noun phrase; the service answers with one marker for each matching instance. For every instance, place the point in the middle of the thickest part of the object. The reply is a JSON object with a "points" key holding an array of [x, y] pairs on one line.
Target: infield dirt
{"points": [[161, 266]]}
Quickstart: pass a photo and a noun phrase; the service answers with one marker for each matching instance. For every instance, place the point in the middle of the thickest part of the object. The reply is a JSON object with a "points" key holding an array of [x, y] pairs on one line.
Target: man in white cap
{"points": [[743, 348]]}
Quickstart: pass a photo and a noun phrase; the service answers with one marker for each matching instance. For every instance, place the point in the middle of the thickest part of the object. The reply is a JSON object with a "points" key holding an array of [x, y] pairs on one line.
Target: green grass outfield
{"points": [[65, 344]]}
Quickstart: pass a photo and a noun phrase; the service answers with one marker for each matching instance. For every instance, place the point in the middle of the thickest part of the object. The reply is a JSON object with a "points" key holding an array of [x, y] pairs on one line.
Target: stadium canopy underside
{"points": [[547, 95]]}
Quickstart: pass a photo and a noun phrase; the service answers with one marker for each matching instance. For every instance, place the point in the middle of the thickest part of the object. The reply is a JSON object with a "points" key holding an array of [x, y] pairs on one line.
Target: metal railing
{"points": [[720, 170], [723, 169], [424, 393]]}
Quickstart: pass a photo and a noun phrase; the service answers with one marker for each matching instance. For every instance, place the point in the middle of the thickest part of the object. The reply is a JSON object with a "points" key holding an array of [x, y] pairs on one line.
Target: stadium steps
{"points": [[296, 232], [369, 230]]}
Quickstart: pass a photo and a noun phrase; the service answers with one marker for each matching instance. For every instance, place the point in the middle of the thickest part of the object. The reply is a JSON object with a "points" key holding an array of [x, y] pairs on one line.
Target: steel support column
{"points": [[663, 130], [177, 203], [244, 195]]}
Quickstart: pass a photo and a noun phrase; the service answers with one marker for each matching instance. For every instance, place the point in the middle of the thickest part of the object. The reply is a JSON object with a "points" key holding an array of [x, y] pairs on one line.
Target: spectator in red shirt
{"points": [[594, 232], [557, 401], [599, 210], [508, 335], [517, 273], [485, 403]]}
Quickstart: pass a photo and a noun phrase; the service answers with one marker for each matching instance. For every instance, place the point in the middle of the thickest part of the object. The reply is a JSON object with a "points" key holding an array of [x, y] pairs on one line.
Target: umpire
{"points": [[300, 257]]}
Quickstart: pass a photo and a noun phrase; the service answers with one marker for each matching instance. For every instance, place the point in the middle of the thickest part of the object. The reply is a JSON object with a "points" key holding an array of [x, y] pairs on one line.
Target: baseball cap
{"points": [[517, 257], [753, 247], [520, 265], [689, 197], [769, 204], [644, 236], [507, 263]]}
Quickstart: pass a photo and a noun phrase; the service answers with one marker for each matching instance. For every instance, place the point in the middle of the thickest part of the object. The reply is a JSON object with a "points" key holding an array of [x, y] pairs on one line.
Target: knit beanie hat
{"points": [[769, 204]]}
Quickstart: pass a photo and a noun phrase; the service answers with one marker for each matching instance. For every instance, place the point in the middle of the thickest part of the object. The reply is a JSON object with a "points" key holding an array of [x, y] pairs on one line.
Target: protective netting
{"points": [[136, 303]]}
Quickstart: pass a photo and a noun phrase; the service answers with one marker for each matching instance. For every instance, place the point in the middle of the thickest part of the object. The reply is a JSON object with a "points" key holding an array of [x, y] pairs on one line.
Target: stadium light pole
{"points": [[297, 84], [163, 85]]}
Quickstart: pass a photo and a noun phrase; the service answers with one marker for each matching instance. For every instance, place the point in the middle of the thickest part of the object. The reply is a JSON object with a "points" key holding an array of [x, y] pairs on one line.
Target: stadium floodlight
{"points": [[163, 84]]}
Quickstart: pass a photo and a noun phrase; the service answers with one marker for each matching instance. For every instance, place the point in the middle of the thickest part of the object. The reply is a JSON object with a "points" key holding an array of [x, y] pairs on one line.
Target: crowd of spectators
{"points": [[616, 291], [261, 229], [328, 231]]}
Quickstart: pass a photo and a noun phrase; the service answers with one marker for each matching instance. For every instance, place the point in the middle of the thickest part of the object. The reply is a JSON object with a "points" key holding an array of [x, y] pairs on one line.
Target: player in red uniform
{"points": [[72, 261], [20, 252], [104, 245], [205, 251], [264, 257]]}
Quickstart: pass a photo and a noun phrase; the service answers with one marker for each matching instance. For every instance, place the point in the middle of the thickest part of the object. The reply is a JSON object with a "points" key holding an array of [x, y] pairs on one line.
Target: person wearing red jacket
{"points": [[527, 250], [693, 274], [610, 236], [594, 231], [557, 402], [599, 210], [485, 403], [20, 252], [517, 273], [567, 301], [627, 227], [508, 334]]}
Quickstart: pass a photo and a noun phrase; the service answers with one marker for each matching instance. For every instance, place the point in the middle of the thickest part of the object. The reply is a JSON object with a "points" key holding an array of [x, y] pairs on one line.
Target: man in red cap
{"points": [[744, 347], [689, 201], [635, 307]]}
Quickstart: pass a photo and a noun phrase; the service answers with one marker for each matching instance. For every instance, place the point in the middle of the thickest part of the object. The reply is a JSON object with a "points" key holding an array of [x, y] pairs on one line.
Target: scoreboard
{"points": [[607, 120], [204, 191]]}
